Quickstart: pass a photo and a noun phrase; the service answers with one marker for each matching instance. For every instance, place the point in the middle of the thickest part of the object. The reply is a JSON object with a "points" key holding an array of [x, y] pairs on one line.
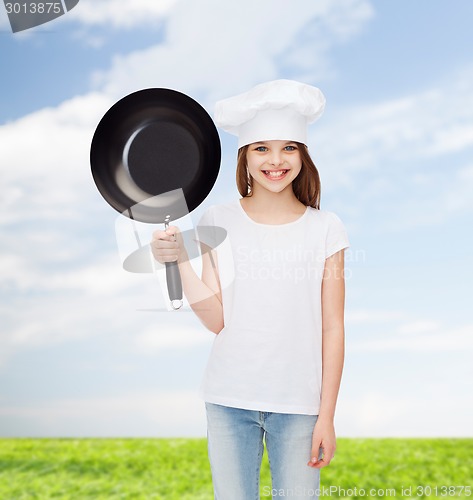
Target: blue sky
{"points": [[84, 347]]}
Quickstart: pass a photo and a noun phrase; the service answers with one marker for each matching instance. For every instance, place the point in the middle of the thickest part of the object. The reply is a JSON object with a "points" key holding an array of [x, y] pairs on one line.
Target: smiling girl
{"points": [[275, 301]]}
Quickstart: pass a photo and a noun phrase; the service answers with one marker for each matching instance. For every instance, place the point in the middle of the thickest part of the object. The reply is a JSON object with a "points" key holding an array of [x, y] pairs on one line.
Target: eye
{"points": [[290, 148], [261, 149]]}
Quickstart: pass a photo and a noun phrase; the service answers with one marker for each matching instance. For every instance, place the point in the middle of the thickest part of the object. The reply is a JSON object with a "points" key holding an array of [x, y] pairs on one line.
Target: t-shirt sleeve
{"points": [[206, 218], [337, 237]]}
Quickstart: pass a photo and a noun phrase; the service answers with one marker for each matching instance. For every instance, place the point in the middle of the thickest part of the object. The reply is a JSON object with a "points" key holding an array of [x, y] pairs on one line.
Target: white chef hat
{"points": [[275, 110]]}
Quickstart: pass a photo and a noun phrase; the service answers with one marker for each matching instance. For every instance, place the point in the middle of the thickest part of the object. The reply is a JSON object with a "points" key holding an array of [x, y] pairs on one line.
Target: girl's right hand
{"points": [[168, 246]]}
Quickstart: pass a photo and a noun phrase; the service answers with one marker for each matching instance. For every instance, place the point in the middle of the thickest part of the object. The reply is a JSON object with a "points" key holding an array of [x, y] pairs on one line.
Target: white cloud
{"points": [[49, 319], [458, 197], [379, 413], [421, 336], [95, 300], [236, 46], [371, 413], [366, 316], [46, 171], [427, 198], [151, 342], [120, 13], [397, 330], [402, 163], [419, 327], [100, 276], [4, 23], [401, 131], [16, 272], [139, 414], [116, 14]]}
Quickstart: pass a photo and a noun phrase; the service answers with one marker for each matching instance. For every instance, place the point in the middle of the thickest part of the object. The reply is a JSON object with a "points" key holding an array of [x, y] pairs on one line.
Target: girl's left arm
{"points": [[333, 342]]}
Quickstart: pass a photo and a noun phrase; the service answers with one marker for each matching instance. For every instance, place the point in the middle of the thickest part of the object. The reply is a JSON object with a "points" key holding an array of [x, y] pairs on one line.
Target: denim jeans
{"points": [[235, 447]]}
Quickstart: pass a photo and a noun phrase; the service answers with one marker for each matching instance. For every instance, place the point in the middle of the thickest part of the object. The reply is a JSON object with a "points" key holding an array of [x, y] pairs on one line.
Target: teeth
{"points": [[277, 173]]}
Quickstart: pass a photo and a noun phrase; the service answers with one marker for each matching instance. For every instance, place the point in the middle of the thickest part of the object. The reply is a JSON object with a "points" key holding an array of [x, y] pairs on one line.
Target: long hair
{"points": [[306, 185]]}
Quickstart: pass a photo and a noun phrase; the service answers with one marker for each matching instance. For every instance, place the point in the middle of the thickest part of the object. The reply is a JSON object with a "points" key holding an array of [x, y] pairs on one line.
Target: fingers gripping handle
{"points": [[173, 279]]}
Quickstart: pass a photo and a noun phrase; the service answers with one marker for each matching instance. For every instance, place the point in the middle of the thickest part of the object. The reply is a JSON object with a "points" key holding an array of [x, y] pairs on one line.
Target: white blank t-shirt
{"points": [[268, 356]]}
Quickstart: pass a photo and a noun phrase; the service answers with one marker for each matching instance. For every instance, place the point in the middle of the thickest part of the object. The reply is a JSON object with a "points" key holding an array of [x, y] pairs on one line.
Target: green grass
{"points": [[82, 469]]}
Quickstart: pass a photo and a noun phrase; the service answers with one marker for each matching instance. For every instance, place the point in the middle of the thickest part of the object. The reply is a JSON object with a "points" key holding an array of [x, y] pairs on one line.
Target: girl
{"points": [[275, 301]]}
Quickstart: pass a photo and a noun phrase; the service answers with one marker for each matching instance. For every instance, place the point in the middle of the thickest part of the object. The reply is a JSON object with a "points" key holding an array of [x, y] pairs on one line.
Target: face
{"points": [[273, 165]]}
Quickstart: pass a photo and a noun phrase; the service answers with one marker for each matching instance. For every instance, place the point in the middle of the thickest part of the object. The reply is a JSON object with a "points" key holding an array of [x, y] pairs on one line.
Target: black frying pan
{"points": [[148, 147]]}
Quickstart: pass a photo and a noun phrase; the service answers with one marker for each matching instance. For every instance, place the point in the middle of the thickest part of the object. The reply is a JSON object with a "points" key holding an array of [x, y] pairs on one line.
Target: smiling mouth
{"points": [[275, 174]]}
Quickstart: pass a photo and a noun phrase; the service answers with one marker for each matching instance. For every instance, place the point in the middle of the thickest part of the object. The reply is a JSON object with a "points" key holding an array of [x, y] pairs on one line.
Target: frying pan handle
{"points": [[173, 279]]}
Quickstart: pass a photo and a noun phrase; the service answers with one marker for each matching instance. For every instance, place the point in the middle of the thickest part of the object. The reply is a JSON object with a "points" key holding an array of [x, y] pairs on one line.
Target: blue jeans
{"points": [[235, 446]]}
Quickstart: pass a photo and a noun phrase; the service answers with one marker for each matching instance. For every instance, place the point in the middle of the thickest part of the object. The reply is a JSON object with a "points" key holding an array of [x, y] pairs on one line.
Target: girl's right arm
{"points": [[204, 295]]}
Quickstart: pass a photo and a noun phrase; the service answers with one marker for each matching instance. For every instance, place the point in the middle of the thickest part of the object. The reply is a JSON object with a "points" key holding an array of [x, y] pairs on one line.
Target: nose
{"points": [[276, 159]]}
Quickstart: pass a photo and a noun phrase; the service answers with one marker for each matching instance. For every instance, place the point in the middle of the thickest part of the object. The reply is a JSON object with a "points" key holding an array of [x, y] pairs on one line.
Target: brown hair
{"points": [[306, 185]]}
